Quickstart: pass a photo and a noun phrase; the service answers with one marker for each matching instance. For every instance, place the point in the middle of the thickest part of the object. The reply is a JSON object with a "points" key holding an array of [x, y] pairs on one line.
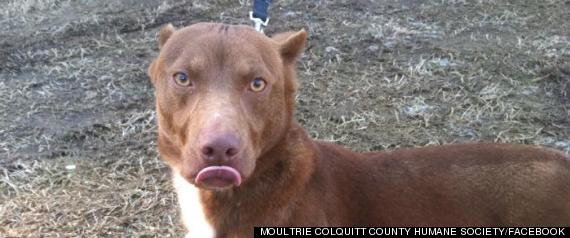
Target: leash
{"points": [[259, 15]]}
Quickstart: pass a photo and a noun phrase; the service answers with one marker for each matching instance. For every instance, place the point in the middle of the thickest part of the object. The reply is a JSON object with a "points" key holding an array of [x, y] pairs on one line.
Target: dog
{"points": [[225, 111]]}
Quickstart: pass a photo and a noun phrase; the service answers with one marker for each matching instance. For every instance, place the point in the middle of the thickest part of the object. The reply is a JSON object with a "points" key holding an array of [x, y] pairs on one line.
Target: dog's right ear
{"points": [[165, 34]]}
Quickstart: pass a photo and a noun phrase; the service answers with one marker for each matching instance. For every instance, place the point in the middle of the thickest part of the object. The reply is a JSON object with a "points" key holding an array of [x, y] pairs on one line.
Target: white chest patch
{"points": [[192, 210]]}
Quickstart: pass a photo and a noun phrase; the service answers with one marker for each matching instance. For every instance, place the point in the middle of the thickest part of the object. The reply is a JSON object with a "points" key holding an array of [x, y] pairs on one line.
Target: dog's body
{"points": [[225, 98]]}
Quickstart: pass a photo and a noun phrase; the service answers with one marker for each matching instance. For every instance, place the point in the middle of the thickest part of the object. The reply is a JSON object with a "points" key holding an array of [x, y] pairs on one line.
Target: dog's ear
{"points": [[165, 33], [291, 44]]}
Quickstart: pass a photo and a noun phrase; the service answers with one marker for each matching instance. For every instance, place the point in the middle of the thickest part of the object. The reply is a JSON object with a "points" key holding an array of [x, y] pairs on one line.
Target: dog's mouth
{"points": [[218, 177]]}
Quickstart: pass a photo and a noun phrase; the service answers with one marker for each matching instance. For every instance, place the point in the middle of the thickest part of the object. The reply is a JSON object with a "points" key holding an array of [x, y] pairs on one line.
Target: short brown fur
{"points": [[292, 180]]}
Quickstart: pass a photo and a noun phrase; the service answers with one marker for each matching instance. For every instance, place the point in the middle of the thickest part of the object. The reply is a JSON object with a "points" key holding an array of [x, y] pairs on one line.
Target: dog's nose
{"points": [[221, 148]]}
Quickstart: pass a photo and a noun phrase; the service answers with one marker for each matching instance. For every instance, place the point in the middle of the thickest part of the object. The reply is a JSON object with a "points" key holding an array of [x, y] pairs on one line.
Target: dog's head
{"points": [[224, 96]]}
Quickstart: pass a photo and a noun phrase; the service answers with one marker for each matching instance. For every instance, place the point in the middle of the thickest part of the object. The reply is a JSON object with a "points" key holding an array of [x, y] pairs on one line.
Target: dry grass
{"points": [[71, 197], [376, 75]]}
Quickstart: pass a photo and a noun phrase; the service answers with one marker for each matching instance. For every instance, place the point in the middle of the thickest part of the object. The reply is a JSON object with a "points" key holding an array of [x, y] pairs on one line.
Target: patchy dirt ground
{"points": [[77, 127]]}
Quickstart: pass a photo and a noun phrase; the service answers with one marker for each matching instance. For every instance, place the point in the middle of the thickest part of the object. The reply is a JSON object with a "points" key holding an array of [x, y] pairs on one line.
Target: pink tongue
{"points": [[218, 177]]}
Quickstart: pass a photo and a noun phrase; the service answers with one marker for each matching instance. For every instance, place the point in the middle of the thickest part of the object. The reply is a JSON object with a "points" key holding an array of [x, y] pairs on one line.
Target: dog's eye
{"points": [[182, 79], [257, 85]]}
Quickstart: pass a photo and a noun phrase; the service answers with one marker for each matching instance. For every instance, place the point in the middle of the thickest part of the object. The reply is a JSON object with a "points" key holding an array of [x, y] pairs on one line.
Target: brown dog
{"points": [[224, 97]]}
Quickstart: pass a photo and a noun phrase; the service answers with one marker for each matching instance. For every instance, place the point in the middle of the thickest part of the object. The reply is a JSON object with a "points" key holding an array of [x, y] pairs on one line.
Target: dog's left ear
{"points": [[291, 44]]}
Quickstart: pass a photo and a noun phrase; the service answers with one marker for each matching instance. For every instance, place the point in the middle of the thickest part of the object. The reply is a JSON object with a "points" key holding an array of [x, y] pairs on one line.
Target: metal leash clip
{"points": [[258, 24]]}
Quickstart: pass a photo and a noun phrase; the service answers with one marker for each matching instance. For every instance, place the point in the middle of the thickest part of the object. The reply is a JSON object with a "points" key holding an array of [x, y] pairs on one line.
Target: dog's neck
{"points": [[272, 188]]}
